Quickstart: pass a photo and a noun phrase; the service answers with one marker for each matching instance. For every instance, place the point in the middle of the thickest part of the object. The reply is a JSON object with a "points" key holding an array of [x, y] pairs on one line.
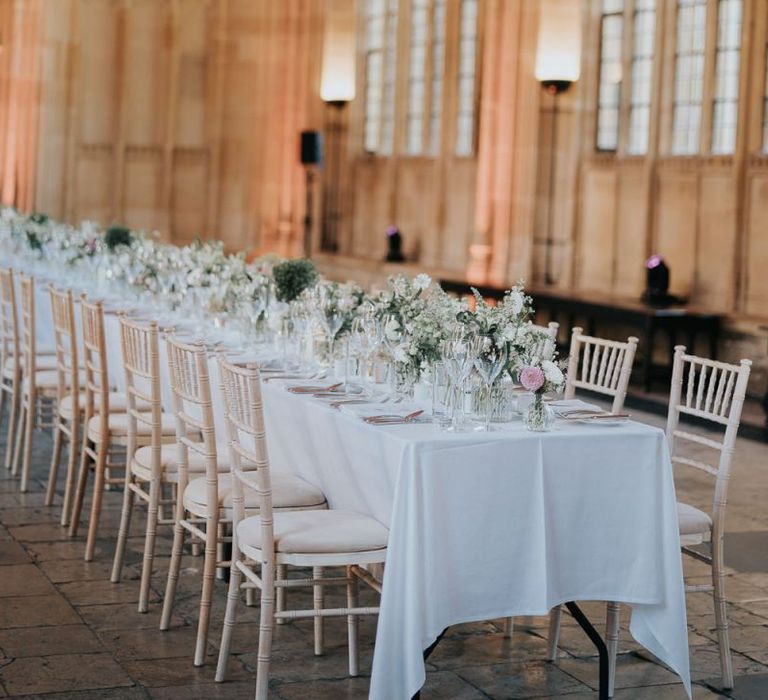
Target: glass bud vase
{"points": [[539, 417]]}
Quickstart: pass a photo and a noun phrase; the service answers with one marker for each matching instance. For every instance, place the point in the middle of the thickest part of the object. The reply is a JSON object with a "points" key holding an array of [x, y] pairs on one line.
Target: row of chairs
{"points": [[269, 520], [172, 462]]}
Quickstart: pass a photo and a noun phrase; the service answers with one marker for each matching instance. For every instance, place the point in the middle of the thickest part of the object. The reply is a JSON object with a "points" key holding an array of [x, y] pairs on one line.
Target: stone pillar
{"points": [[500, 252]]}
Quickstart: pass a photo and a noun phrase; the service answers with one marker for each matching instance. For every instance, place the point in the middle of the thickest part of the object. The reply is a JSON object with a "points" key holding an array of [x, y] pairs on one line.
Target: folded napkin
{"points": [[320, 386], [398, 411]]}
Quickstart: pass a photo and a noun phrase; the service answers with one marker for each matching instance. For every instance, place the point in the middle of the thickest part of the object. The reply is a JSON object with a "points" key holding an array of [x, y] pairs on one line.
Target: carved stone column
{"points": [[500, 251]]}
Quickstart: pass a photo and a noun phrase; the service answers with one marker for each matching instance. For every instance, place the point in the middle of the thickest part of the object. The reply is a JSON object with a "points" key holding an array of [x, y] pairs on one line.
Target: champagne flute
{"points": [[489, 360]]}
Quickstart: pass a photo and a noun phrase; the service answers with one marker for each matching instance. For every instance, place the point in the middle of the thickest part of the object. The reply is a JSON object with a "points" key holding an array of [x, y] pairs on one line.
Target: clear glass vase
{"points": [[539, 416]]}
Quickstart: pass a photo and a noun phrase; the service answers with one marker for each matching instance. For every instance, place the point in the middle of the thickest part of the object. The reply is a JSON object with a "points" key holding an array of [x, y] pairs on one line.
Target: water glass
{"points": [[442, 396]]}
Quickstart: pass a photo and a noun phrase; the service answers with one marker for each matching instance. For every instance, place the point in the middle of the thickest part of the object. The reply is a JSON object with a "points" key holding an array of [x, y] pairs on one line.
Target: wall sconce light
{"points": [[558, 65]]}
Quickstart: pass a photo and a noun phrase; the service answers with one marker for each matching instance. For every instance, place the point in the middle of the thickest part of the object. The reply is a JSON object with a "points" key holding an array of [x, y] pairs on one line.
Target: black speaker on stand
{"points": [[311, 155]]}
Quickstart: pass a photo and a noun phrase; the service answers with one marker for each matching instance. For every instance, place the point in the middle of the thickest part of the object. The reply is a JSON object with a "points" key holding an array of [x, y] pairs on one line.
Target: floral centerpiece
{"points": [[539, 377], [418, 319]]}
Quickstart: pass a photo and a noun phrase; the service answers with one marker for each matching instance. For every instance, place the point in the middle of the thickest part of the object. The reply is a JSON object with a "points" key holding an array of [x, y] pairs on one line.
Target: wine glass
{"points": [[489, 360]]}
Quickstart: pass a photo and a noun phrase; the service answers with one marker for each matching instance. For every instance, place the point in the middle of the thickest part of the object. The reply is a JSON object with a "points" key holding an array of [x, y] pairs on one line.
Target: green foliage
{"points": [[292, 277], [115, 236], [33, 241]]}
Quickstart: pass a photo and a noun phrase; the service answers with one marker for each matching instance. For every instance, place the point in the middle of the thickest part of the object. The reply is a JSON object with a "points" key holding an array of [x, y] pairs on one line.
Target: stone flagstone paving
{"points": [[67, 632]]}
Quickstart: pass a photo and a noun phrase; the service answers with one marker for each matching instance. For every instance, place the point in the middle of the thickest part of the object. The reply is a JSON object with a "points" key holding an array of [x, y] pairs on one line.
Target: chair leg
{"points": [[250, 599], [209, 574], [318, 600], [2, 399], [612, 643], [279, 594], [98, 495], [20, 432], [554, 632], [721, 614], [82, 483], [266, 625], [147, 565], [354, 655], [233, 595], [53, 472], [29, 428], [173, 574], [129, 499], [14, 414], [74, 441], [509, 626]]}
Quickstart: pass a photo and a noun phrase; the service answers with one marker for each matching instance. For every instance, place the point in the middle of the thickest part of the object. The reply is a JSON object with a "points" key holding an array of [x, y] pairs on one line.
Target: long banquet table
{"points": [[485, 526]]}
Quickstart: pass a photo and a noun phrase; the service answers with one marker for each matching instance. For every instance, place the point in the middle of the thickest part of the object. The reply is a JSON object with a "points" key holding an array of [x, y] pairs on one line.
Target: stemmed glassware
{"points": [[459, 360], [490, 360], [365, 337]]}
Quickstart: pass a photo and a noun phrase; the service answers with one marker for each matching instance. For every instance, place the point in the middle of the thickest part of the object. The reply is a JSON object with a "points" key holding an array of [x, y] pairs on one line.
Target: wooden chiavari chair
{"points": [[106, 432], [278, 537], [39, 386], [204, 504], [10, 357], [711, 391], [601, 366], [152, 466], [67, 418], [12, 360], [547, 348], [604, 367]]}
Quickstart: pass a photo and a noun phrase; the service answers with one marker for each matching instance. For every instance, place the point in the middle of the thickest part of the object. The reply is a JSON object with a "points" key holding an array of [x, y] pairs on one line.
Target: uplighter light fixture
{"points": [[337, 81], [558, 55]]}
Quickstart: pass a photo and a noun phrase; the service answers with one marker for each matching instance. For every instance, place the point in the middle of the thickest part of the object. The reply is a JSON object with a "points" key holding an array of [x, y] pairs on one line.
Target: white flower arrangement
{"points": [[419, 316]]}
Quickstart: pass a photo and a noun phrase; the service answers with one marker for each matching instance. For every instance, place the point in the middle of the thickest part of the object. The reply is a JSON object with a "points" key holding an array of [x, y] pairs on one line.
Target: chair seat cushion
{"points": [[118, 403], [118, 426], [288, 491], [692, 521], [315, 532], [142, 462]]}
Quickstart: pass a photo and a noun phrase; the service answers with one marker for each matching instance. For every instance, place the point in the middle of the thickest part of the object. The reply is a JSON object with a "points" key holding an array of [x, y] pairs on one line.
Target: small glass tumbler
{"points": [[442, 396]]}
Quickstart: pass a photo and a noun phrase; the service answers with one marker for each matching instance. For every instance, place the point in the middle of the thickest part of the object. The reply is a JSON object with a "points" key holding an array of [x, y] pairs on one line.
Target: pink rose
{"points": [[532, 378]]}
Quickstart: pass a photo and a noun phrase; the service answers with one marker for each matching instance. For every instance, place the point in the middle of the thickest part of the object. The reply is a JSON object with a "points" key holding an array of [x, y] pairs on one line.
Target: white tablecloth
{"points": [[487, 526]]}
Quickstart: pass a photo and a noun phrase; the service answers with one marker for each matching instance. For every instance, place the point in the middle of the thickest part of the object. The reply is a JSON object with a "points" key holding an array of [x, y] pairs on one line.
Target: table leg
{"points": [[590, 631], [597, 640], [427, 653]]}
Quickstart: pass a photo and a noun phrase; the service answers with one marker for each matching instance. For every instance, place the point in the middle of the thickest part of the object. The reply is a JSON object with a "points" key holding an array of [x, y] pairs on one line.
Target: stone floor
{"points": [[67, 632]]}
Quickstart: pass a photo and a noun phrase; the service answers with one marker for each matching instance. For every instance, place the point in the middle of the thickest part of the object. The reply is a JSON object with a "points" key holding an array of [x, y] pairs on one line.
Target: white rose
{"points": [[552, 372], [422, 281]]}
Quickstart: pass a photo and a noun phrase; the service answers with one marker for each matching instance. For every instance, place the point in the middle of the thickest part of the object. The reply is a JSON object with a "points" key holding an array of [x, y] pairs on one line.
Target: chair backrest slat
{"points": [[65, 340], [192, 407], [246, 431], [95, 360], [28, 332], [546, 347], [141, 363], [714, 392], [10, 341], [599, 365]]}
